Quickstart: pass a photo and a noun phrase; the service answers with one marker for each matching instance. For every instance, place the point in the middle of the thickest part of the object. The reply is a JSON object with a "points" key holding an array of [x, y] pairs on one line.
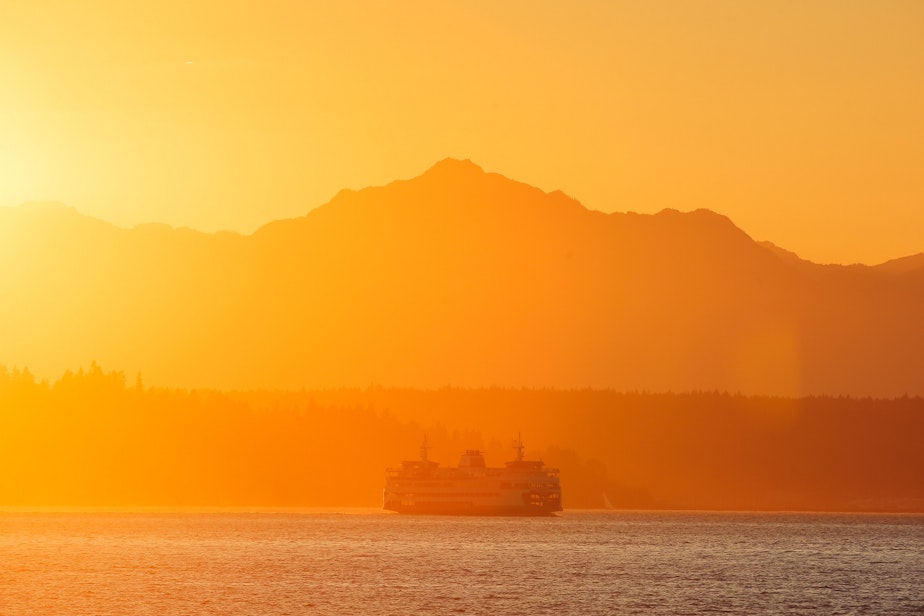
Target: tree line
{"points": [[97, 438]]}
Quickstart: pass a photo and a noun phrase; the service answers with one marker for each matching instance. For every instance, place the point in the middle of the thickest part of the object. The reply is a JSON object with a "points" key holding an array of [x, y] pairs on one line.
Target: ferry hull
{"points": [[510, 504], [461, 509]]}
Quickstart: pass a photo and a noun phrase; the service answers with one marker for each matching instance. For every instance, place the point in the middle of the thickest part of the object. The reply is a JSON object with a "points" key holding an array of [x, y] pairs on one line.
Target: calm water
{"points": [[374, 563]]}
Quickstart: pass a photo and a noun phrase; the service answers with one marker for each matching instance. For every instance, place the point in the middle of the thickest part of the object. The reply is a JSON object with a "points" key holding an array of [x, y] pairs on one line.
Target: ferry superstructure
{"points": [[521, 487]]}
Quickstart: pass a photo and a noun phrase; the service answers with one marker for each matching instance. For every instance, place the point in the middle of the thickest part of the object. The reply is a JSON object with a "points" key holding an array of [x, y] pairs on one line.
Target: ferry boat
{"points": [[521, 487]]}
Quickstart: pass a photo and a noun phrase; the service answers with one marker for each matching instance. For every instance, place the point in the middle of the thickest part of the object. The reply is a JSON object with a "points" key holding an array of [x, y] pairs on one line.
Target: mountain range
{"points": [[456, 277]]}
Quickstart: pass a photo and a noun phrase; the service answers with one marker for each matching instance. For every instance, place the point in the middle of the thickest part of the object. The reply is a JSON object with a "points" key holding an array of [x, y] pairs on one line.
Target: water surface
{"points": [[376, 563]]}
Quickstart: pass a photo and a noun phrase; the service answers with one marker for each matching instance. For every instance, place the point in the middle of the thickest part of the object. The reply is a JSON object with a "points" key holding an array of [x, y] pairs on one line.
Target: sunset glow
{"points": [[238, 239], [801, 122], [461, 306]]}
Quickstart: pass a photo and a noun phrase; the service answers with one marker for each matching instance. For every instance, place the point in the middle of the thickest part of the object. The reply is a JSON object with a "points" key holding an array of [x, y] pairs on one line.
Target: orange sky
{"points": [[801, 121]]}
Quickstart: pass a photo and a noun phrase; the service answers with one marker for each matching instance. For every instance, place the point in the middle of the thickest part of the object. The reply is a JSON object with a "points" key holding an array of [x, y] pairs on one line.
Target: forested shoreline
{"points": [[97, 438]]}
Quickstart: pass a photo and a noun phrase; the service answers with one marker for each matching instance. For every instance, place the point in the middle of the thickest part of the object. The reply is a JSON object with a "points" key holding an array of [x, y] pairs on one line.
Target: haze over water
{"points": [[251, 253], [373, 563]]}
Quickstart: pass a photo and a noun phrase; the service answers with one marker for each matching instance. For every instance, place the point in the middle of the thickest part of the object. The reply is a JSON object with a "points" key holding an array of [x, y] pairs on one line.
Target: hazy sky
{"points": [[800, 120]]}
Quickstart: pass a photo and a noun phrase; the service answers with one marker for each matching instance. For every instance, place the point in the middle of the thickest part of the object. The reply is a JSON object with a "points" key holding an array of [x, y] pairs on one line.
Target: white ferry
{"points": [[521, 487]]}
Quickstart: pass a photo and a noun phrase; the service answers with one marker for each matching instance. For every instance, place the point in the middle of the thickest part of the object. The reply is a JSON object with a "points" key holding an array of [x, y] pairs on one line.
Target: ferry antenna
{"points": [[519, 447], [424, 449]]}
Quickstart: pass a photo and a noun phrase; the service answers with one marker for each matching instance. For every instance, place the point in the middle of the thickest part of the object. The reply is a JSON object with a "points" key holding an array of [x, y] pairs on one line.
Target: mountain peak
{"points": [[454, 167]]}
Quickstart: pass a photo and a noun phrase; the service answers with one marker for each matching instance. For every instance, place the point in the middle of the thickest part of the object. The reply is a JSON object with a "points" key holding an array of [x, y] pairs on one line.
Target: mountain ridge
{"points": [[460, 277], [897, 265]]}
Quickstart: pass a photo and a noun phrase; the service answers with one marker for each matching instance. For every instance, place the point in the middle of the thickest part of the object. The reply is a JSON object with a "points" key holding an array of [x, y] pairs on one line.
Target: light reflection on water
{"points": [[375, 563]]}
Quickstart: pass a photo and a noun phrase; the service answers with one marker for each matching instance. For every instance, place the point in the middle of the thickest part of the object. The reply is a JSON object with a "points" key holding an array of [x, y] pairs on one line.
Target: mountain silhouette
{"points": [[456, 277]]}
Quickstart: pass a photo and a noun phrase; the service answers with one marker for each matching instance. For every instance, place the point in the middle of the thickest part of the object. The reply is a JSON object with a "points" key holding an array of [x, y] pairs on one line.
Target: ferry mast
{"points": [[519, 447]]}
